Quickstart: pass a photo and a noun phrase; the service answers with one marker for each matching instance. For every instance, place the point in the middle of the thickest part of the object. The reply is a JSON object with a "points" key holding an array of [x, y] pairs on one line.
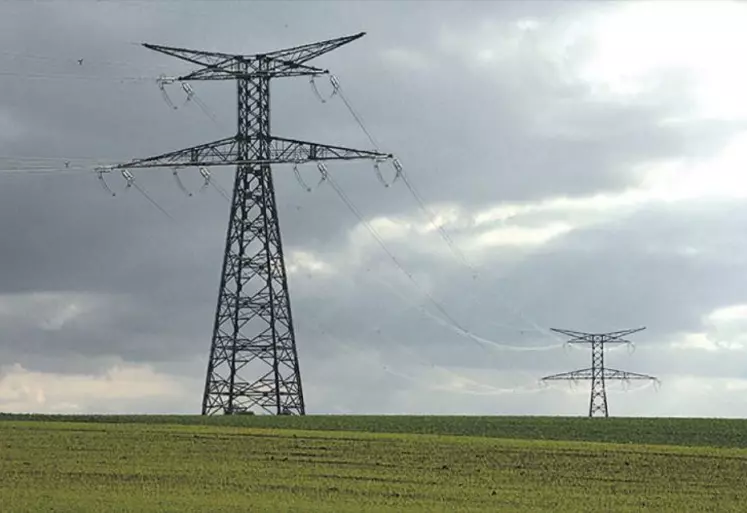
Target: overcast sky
{"points": [[587, 160]]}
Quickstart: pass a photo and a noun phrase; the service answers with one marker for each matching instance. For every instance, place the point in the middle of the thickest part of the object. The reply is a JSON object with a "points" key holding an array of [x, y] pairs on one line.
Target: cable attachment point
{"points": [[100, 171], [299, 179], [398, 168], [378, 173], [335, 84], [631, 347], [129, 178], [188, 91], [206, 175], [322, 167], [179, 182], [162, 81], [314, 88]]}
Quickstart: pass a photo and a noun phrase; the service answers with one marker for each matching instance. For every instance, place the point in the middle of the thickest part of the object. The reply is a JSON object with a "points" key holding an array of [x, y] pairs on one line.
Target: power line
{"points": [[167, 160], [396, 262], [337, 91], [70, 76], [400, 173], [449, 320], [81, 63]]}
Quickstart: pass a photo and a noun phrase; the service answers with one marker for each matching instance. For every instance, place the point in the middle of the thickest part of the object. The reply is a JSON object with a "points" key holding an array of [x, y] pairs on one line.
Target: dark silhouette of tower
{"points": [[253, 360]]}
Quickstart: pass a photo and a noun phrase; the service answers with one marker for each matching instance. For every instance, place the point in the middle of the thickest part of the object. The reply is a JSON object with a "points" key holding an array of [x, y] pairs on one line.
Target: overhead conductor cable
{"points": [[418, 197], [130, 179]]}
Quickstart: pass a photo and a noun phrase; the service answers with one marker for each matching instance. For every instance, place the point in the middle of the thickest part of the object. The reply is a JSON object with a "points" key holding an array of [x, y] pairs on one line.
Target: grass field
{"points": [[731, 433], [200, 464]]}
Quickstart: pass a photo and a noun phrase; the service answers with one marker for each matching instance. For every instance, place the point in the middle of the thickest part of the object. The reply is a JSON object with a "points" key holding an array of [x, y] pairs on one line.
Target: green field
{"points": [[346, 464]]}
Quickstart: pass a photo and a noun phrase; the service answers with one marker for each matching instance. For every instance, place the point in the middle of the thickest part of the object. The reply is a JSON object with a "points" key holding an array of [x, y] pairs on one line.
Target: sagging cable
{"points": [[338, 91], [454, 248], [130, 179], [484, 341], [461, 331], [400, 174], [396, 262], [192, 95], [478, 388], [411, 187], [416, 357]]}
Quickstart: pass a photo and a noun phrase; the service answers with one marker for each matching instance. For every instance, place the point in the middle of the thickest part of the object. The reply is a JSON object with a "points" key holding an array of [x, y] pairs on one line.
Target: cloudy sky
{"points": [[585, 159]]}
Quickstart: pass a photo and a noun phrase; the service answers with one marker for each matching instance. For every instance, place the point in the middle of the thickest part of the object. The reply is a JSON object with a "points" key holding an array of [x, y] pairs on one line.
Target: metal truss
{"points": [[253, 362], [598, 373], [288, 62], [225, 152]]}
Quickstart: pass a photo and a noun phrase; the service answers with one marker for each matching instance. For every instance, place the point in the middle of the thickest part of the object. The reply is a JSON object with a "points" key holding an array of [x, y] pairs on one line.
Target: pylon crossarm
{"points": [[304, 53], [574, 334], [288, 62], [617, 334], [221, 152], [291, 150], [198, 57], [625, 375], [570, 376], [232, 71], [225, 153], [605, 341]]}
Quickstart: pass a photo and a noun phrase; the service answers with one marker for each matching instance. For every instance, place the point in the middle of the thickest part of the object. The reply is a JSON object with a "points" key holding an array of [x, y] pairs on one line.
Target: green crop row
{"points": [[662, 431]]}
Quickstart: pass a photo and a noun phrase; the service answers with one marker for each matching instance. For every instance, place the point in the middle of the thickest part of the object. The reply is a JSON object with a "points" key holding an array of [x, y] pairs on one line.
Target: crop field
{"points": [[191, 464], [729, 433]]}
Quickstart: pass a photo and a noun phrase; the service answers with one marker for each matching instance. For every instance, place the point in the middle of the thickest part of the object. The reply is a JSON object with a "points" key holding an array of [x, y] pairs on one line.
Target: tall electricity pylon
{"points": [[253, 360], [598, 373]]}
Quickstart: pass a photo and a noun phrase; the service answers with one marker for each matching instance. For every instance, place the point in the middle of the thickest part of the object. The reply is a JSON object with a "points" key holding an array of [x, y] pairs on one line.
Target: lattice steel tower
{"points": [[598, 373], [253, 359]]}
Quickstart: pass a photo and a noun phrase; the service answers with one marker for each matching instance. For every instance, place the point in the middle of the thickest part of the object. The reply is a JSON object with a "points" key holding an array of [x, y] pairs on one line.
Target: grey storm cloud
{"points": [[521, 129]]}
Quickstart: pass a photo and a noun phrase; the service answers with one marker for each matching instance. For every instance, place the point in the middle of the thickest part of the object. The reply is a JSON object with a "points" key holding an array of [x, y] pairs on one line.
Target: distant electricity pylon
{"points": [[253, 359], [598, 373]]}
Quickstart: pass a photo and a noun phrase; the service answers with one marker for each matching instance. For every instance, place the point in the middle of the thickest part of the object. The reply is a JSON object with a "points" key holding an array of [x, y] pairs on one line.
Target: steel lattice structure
{"points": [[598, 373], [253, 359]]}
